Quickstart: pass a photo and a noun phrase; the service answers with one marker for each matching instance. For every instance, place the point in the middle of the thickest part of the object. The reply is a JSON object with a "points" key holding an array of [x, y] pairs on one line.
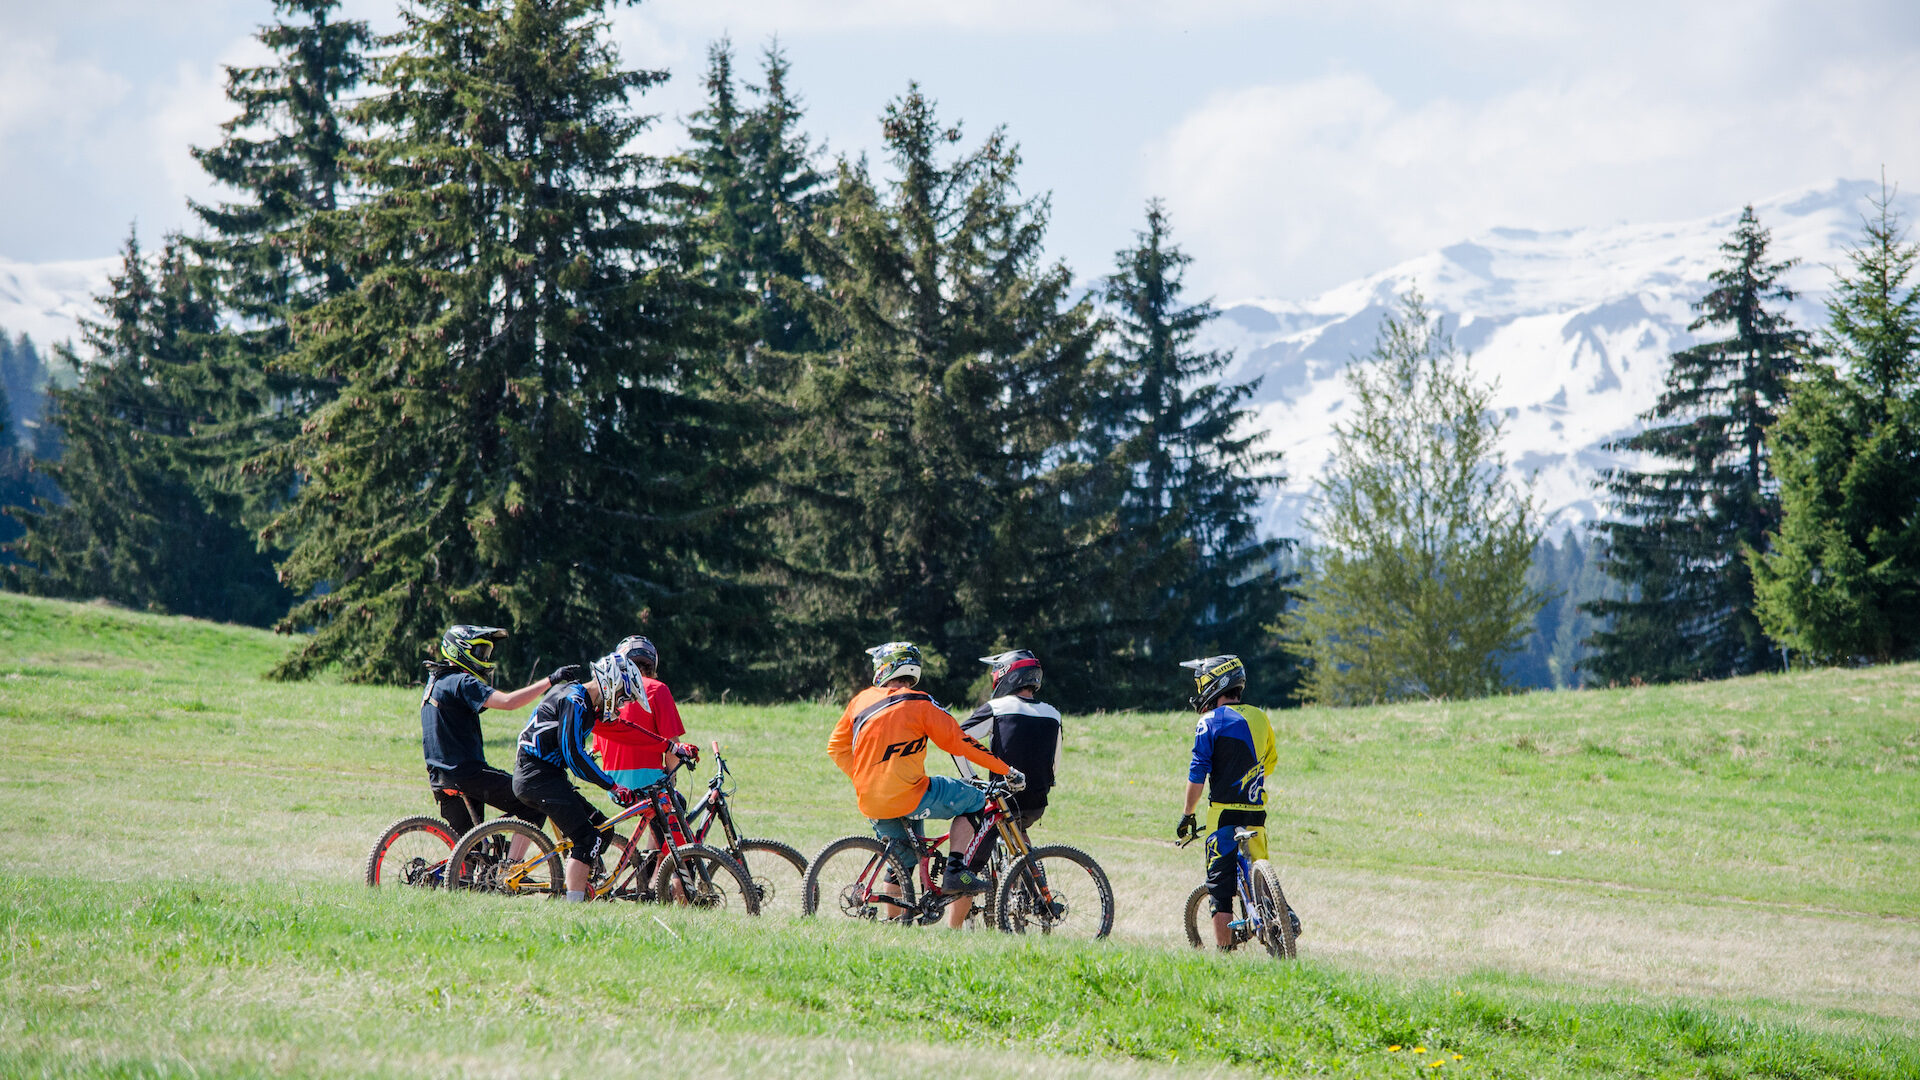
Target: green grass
{"points": [[1710, 880]]}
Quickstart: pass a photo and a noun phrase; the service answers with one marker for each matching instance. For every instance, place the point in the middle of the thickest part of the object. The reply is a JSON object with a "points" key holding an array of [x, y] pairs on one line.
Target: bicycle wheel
{"points": [[853, 876], [702, 877], [1276, 929], [413, 851], [778, 873], [1198, 914], [1058, 891], [483, 857]]}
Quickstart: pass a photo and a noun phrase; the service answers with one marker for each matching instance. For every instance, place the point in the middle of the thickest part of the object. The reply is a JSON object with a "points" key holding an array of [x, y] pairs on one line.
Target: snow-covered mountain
{"points": [[1575, 326], [47, 300]]}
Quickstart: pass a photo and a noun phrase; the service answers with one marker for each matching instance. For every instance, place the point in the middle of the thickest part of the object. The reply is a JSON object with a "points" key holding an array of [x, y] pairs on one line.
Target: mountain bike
{"points": [[675, 871], [1053, 890], [1264, 913], [776, 870], [413, 851]]}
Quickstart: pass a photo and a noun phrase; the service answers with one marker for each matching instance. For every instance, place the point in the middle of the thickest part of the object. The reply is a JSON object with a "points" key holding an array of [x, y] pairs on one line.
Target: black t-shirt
{"points": [[450, 721]]}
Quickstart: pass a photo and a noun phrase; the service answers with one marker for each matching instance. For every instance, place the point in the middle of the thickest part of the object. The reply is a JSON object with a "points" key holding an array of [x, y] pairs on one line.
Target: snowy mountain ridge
{"points": [[1575, 327]]}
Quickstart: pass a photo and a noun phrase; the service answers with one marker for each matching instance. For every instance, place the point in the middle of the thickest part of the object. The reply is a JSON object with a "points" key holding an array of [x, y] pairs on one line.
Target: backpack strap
{"points": [[889, 702]]}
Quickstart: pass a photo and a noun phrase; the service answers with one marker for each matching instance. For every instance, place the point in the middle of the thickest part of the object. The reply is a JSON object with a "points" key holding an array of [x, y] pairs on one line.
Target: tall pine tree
{"points": [[131, 525], [1675, 540], [1840, 580], [283, 156], [1192, 576], [759, 186], [510, 445], [917, 473]]}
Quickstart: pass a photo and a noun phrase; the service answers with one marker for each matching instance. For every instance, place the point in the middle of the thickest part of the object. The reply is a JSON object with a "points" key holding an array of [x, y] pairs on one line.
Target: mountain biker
{"points": [[635, 751], [1233, 755], [554, 743], [881, 744], [457, 693], [1021, 731]]}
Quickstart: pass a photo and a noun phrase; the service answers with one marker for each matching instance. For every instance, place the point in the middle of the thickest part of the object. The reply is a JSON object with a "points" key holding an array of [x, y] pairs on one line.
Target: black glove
{"points": [[1188, 827], [567, 673]]}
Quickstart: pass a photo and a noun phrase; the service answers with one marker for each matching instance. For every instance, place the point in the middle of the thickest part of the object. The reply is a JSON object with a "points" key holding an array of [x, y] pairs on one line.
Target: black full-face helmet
{"points": [[1213, 677], [1013, 671], [470, 648]]}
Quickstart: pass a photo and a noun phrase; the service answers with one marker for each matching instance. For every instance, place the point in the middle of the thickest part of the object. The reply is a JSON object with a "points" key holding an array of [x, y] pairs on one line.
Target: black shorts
{"points": [[1223, 858], [547, 789], [485, 786], [1027, 819]]}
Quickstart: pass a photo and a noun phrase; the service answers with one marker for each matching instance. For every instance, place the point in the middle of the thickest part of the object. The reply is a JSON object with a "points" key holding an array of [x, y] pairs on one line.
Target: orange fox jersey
{"points": [[885, 754]]}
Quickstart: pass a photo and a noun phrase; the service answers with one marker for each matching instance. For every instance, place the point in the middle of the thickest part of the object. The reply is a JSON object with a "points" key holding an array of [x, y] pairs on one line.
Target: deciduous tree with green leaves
{"points": [[1418, 584], [1676, 539], [512, 443], [1840, 580]]}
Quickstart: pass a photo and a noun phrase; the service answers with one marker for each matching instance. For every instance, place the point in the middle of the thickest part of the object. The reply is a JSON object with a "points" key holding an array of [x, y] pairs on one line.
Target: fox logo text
{"points": [[905, 749]]}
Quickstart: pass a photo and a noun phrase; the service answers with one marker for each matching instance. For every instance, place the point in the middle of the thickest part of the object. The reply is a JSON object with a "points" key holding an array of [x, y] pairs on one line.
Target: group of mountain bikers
{"points": [[618, 709]]}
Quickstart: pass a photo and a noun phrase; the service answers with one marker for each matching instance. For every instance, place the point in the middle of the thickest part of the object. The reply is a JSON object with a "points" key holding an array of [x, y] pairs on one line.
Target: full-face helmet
{"points": [[1213, 677], [895, 660], [470, 648], [1013, 671]]}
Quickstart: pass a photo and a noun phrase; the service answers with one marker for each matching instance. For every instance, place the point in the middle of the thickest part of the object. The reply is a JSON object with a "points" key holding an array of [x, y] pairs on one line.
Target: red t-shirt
{"points": [[623, 747]]}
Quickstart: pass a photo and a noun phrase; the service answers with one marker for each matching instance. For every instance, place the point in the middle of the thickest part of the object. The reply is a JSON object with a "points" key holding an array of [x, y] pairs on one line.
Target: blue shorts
{"points": [[946, 797], [636, 778]]}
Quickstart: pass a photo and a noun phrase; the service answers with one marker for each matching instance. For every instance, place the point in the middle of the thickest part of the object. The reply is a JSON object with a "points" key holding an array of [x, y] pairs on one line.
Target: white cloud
{"points": [[1283, 189], [41, 89]]}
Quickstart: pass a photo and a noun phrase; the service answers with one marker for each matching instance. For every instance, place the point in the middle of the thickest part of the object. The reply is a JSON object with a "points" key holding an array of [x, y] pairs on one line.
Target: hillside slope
{"points": [[1698, 880]]}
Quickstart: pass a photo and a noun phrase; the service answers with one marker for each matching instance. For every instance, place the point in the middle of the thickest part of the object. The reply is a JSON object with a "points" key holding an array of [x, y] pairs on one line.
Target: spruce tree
{"points": [[1418, 587], [23, 376], [1674, 545], [1840, 580], [1191, 575], [759, 187], [130, 524], [920, 499], [283, 155], [510, 445]]}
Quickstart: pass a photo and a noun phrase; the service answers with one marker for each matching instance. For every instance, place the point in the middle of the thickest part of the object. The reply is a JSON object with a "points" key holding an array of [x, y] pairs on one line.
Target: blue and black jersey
{"points": [[557, 734], [1233, 754], [450, 723]]}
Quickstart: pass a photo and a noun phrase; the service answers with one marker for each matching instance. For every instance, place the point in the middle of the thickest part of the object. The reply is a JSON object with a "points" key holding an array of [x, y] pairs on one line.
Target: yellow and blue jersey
{"points": [[1233, 754]]}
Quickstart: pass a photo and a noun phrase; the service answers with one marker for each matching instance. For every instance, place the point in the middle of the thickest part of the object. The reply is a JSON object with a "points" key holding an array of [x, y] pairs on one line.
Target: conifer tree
{"points": [[283, 155], [130, 524], [920, 498], [1419, 586], [1674, 545], [1191, 575], [1840, 580], [510, 445], [15, 488], [759, 187], [23, 375]]}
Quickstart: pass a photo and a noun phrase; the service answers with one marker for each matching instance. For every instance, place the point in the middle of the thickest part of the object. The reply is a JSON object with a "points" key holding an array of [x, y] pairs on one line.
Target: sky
{"points": [[1297, 145]]}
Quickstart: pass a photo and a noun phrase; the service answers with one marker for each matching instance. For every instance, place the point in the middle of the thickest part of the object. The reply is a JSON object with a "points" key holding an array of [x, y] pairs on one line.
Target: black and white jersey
{"points": [[1023, 733]]}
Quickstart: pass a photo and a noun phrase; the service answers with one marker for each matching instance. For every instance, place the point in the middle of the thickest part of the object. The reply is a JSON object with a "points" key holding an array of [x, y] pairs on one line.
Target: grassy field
{"points": [[1712, 880]]}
